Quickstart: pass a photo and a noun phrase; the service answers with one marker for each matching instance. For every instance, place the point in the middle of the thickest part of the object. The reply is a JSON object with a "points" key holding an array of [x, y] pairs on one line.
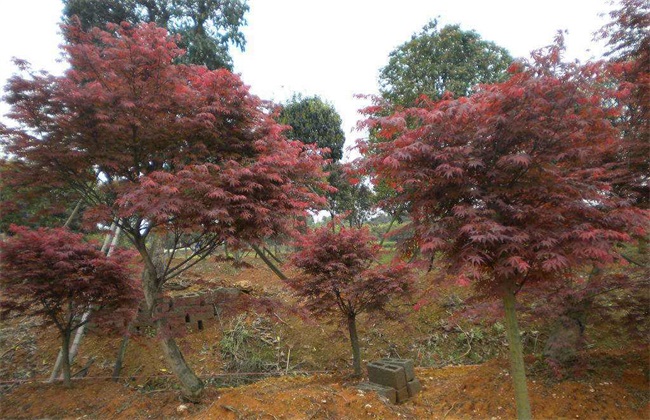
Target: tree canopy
{"points": [[207, 27], [31, 205], [517, 163], [314, 121], [436, 61]]}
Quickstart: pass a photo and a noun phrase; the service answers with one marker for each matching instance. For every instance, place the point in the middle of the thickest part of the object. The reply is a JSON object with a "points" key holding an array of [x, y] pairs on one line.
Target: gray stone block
{"points": [[385, 391], [407, 364], [402, 395], [413, 387], [387, 375]]}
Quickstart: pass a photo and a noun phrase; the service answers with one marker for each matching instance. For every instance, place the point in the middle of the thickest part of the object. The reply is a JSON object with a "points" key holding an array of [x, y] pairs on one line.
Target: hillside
{"points": [[462, 367]]}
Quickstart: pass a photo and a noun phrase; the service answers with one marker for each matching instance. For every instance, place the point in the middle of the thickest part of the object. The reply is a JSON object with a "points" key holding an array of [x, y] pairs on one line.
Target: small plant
{"points": [[56, 275], [339, 277], [245, 348]]}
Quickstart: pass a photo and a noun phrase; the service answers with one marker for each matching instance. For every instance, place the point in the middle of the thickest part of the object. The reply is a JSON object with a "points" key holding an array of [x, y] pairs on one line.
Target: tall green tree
{"points": [[437, 60], [314, 121], [207, 27]]}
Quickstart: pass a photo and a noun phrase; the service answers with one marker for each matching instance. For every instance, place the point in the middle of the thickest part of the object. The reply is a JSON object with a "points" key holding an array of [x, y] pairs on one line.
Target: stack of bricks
{"points": [[392, 378], [195, 311]]}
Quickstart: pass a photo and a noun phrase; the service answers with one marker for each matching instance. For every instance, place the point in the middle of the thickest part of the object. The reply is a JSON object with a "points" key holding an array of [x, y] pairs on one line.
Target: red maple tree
{"points": [[509, 185], [56, 275], [339, 277], [160, 148]]}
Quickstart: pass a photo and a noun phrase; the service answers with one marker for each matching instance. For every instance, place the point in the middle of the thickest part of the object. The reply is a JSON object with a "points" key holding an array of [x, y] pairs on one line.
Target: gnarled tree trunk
{"points": [[192, 385]]}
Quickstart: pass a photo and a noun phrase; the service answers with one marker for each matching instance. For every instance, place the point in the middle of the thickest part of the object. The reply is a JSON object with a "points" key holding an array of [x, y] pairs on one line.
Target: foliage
{"points": [[54, 274], [628, 38], [436, 61], [204, 155], [353, 200], [314, 121], [97, 13], [48, 272], [177, 150], [508, 182], [338, 276], [626, 34], [207, 27], [31, 205]]}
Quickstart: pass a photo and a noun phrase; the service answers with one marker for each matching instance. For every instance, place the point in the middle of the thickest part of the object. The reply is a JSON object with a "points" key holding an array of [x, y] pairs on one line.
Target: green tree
{"points": [[96, 13], [314, 121], [207, 27], [438, 60]]}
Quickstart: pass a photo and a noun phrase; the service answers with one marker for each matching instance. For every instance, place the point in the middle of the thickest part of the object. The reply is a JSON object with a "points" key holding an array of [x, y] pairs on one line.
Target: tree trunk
{"points": [[74, 213], [268, 262], [65, 357], [516, 357], [354, 341], [192, 385], [390, 226], [119, 360], [272, 255]]}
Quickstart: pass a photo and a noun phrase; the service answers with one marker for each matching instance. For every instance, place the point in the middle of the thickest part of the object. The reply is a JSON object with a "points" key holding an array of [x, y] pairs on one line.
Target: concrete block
{"points": [[387, 375], [413, 387], [385, 391], [407, 364], [402, 395]]}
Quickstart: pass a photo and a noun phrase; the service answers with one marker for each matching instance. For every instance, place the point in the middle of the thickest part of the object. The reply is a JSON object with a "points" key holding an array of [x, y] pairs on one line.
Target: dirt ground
{"points": [[614, 384], [617, 389]]}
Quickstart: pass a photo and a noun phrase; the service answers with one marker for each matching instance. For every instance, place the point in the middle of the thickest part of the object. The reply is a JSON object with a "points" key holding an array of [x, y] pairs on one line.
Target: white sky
{"points": [[333, 48]]}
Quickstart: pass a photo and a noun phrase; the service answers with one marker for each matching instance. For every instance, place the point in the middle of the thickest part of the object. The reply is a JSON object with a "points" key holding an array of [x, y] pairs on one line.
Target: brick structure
{"points": [[397, 375], [194, 310]]}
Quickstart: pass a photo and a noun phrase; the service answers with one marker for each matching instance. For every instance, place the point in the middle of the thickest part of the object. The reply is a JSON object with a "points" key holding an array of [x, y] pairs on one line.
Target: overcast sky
{"points": [[333, 48]]}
